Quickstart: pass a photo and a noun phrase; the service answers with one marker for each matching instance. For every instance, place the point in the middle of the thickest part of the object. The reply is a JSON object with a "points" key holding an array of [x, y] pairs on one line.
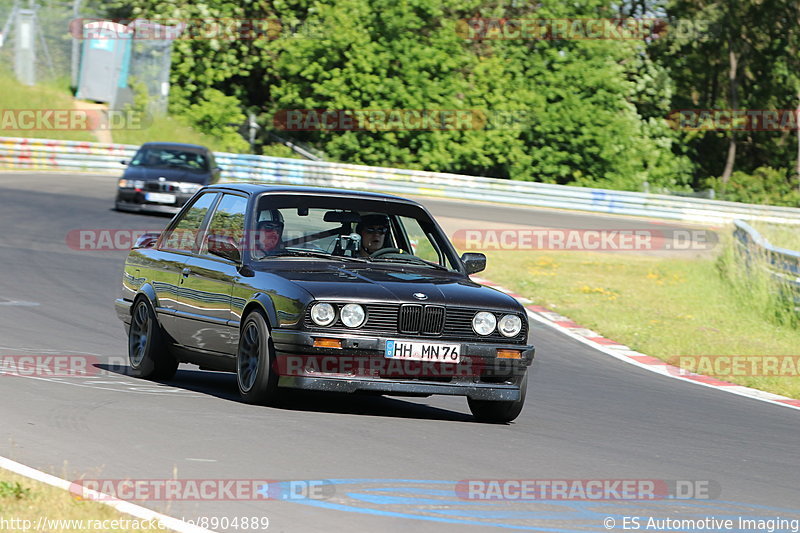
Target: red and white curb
{"points": [[624, 353], [120, 505]]}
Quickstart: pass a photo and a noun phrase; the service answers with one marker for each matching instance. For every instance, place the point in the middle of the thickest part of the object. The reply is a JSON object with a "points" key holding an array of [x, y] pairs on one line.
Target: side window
{"points": [[421, 244], [227, 224], [183, 236]]}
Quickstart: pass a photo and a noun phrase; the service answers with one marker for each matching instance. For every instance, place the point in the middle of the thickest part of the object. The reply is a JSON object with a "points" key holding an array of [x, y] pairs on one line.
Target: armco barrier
{"points": [[40, 154], [782, 264]]}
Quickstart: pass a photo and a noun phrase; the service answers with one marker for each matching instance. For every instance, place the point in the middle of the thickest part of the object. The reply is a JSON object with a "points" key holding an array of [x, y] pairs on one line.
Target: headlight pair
{"points": [[324, 314], [131, 184], [484, 323], [184, 187]]}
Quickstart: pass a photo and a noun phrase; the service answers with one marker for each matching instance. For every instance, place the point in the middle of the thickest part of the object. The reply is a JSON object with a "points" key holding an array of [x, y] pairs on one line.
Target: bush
{"points": [[766, 185], [216, 115], [280, 150]]}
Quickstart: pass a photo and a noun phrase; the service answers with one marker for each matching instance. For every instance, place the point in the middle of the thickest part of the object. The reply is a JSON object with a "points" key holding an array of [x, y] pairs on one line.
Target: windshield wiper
{"points": [[408, 260], [313, 253]]}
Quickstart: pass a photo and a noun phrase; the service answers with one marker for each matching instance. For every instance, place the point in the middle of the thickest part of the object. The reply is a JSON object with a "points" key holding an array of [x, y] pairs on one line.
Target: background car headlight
{"points": [[484, 323], [131, 184], [323, 314], [353, 315], [510, 325]]}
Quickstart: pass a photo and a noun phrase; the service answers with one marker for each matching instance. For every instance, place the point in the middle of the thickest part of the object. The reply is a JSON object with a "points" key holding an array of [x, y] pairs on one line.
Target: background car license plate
{"points": [[159, 197], [423, 351]]}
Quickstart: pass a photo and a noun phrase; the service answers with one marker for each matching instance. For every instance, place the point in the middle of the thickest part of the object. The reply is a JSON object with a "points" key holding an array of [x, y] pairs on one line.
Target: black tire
{"points": [[256, 373], [499, 412], [148, 354]]}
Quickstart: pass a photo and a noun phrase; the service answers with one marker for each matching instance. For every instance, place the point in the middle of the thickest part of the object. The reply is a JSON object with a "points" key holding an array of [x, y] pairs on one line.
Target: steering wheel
{"points": [[384, 251]]}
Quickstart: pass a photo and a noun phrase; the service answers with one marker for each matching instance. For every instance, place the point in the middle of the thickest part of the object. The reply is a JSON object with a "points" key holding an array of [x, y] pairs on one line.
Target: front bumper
{"points": [[133, 200], [476, 391], [361, 366]]}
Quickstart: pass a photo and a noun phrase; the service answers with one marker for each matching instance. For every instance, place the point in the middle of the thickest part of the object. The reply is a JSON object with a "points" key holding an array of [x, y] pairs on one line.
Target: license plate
{"points": [[423, 351], [159, 197]]}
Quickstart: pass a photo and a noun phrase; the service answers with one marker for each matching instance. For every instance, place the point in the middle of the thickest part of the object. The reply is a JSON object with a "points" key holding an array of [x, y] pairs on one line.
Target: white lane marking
{"points": [[198, 460], [18, 303], [94, 381], [623, 355], [129, 386], [15, 349], [120, 505]]}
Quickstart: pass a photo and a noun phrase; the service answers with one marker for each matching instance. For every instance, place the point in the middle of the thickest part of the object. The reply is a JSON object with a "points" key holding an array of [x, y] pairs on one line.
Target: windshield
{"points": [[360, 231], [165, 158]]}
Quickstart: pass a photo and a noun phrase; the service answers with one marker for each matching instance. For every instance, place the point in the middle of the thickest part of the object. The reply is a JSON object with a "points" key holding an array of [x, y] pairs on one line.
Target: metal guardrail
{"points": [[783, 265], [40, 154]]}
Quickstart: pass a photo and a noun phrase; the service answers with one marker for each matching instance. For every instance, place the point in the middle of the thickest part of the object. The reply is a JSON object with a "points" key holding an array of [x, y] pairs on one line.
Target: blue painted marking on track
{"points": [[581, 515], [399, 500], [413, 490]]}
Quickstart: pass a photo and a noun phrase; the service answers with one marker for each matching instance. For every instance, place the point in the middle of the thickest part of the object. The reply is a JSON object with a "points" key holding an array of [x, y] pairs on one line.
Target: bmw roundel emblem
{"points": [[420, 296]]}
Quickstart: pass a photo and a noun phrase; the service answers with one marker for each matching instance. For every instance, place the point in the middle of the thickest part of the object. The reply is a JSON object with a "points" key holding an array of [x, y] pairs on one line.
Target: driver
{"points": [[373, 230]]}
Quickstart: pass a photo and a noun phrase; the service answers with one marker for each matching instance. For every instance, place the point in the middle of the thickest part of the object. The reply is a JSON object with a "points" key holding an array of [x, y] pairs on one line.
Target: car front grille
{"points": [[161, 186], [421, 319], [417, 320]]}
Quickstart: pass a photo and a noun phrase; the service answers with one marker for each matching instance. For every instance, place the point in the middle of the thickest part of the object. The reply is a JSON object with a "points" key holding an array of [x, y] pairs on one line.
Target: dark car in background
{"points": [[322, 289], [162, 177]]}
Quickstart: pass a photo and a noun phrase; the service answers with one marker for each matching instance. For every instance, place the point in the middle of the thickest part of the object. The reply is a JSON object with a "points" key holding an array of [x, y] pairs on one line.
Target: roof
{"points": [[257, 188], [177, 146]]}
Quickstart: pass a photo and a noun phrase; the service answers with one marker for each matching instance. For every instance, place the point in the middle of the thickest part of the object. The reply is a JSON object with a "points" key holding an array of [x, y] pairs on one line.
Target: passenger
{"points": [[269, 235]]}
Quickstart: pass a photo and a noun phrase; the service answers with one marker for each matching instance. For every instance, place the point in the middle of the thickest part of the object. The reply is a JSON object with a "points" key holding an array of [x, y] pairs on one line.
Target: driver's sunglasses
{"points": [[382, 230], [267, 225]]}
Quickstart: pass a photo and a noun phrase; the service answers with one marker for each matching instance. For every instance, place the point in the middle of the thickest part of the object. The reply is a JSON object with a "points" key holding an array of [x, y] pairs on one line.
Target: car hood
{"points": [[170, 173], [378, 283]]}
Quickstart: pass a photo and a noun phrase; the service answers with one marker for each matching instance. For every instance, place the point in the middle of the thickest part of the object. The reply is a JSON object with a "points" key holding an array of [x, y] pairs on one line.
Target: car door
{"points": [[204, 306], [177, 245]]}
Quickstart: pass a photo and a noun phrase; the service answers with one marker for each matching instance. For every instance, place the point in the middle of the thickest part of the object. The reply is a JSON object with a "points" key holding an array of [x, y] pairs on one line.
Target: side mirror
{"points": [[474, 262], [147, 240], [123, 162], [224, 246]]}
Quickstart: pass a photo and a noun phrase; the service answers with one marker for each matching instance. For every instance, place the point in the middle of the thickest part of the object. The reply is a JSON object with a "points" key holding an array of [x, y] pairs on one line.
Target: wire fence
{"points": [[49, 37], [56, 44]]}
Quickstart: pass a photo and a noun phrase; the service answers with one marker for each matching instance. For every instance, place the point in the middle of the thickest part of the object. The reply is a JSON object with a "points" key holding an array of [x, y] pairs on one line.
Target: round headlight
{"points": [[510, 325], [323, 314], [484, 323], [353, 315]]}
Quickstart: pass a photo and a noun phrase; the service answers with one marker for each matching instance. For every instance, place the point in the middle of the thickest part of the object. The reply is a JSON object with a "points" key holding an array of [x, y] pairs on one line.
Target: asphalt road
{"points": [[391, 464]]}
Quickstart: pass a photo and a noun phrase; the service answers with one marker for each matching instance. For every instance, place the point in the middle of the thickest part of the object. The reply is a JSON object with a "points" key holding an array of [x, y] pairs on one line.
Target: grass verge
{"points": [[782, 236], [55, 95], [24, 502], [664, 307], [17, 96], [166, 129]]}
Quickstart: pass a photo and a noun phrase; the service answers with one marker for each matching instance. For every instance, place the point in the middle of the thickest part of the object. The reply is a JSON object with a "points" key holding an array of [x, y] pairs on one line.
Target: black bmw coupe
{"points": [[322, 289]]}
